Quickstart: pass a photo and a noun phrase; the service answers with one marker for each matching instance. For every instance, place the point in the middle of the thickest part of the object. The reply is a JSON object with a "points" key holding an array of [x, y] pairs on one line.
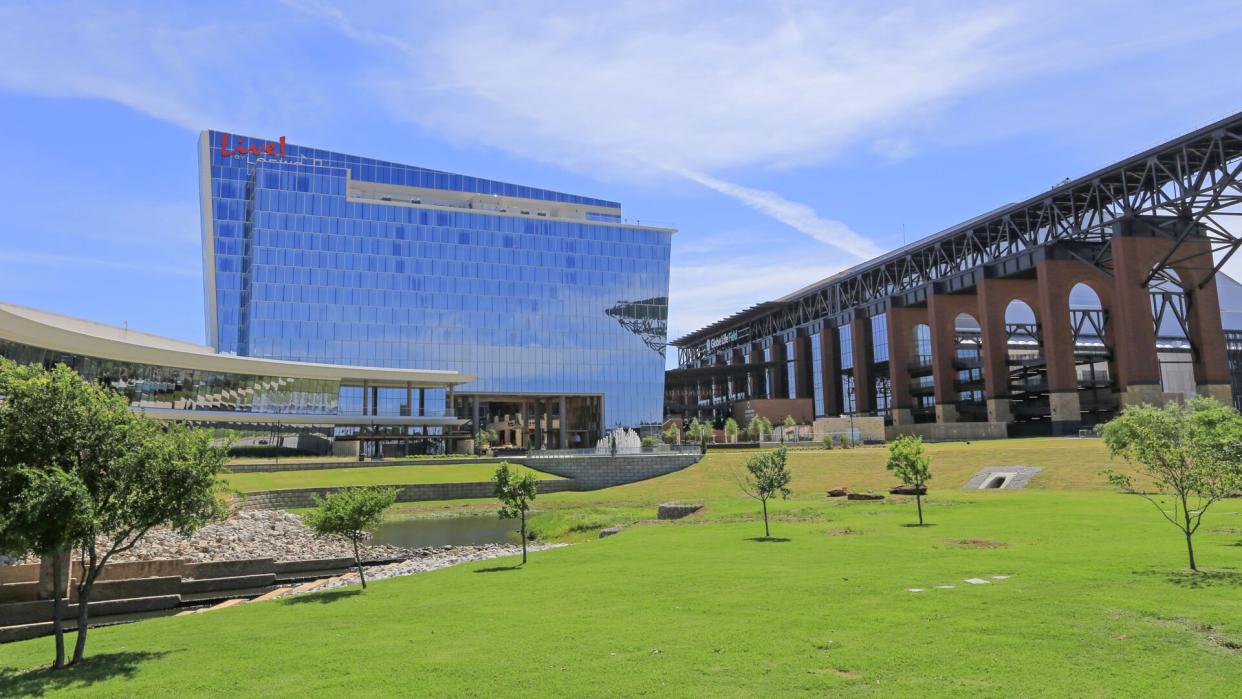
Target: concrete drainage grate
{"points": [[1002, 478]]}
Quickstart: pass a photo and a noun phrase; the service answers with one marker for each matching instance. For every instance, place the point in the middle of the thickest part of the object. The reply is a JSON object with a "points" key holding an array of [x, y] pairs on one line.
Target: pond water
{"points": [[438, 531]]}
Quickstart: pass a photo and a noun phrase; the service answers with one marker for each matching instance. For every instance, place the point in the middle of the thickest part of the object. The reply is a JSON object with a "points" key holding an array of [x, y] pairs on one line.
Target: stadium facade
{"points": [[1039, 317], [553, 302]]}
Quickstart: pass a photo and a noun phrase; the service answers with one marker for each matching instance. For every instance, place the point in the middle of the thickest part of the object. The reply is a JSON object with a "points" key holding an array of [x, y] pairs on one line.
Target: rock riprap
{"points": [[246, 535], [432, 558]]}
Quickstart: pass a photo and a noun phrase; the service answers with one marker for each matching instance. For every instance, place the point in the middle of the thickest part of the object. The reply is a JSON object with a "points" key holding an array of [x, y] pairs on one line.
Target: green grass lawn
{"points": [[378, 475], [1097, 602]]}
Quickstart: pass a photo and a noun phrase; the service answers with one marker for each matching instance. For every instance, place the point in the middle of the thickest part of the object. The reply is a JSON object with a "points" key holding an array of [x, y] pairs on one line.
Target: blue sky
{"points": [[785, 140]]}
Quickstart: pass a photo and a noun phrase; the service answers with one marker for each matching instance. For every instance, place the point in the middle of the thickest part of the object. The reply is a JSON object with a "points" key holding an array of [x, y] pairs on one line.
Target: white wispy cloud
{"points": [[800, 217], [54, 260], [194, 69], [708, 291], [685, 88]]}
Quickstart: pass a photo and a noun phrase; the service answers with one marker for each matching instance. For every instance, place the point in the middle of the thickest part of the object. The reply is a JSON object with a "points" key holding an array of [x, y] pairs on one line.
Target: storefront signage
{"points": [[725, 339], [241, 148]]}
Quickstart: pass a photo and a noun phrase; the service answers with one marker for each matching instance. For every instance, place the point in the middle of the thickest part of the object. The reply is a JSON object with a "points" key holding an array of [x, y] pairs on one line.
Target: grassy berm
{"points": [[1086, 595]]}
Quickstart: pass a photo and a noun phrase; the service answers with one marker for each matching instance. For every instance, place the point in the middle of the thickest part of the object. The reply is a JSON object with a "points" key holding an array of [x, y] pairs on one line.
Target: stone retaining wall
{"points": [[416, 492]]}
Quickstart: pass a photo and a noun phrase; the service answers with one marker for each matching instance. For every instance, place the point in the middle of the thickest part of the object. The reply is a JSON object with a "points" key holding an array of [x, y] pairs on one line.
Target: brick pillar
{"points": [[901, 322], [756, 375], [1056, 279], [994, 297], [802, 367], [734, 376], [942, 310], [780, 389], [864, 376], [1138, 369], [829, 365], [1206, 334]]}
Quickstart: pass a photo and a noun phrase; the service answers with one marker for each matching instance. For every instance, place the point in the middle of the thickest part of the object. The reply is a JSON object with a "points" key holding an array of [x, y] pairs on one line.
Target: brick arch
{"points": [[1139, 371]]}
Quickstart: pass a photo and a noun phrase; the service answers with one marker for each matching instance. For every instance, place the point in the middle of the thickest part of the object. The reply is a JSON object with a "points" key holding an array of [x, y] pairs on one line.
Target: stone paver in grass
{"points": [[972, 581]]}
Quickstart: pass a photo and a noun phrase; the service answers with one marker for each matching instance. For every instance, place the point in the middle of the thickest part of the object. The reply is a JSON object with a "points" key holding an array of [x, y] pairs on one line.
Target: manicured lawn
{"points": [[378, 475], [1067, 463], [1096, 602]]}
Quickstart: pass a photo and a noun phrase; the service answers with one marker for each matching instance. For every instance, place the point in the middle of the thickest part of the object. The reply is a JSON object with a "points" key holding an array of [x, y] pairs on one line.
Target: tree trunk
{"points": [[1190, 547], [84, 599], [358, 564], [523, 538], [58, 594], [918, 500], [766, 532]]}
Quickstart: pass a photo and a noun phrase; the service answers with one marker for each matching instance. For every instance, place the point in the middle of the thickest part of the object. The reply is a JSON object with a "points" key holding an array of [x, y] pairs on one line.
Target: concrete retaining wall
{"points": [[225, 569], [268, 467], [305, 497], [29, 572], [937, 431], [34, 612], [236, 582], [595, 472], [286, 568]]}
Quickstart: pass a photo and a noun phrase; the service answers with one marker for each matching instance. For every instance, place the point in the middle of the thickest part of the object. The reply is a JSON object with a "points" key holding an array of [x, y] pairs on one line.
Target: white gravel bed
{"points": [[432, 558], [246, 535]]}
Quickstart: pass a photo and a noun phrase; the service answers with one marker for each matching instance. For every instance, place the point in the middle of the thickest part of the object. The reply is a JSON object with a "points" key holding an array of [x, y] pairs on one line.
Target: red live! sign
{"points": [[243, 149]]}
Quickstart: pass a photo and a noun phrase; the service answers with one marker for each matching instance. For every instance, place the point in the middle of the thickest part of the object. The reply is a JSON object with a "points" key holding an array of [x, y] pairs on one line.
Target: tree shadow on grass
{"points": [[916, 525], [38, 681], [769, 539], [326, 597], [1196, 580], [497, 569]]}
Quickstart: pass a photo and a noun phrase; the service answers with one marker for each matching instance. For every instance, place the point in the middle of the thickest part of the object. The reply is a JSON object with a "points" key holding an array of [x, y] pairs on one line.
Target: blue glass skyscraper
{"points": [[557, 305]]}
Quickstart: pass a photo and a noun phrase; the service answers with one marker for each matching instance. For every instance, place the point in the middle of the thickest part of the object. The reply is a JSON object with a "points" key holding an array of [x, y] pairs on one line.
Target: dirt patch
{"points": [[844, 531], [1208, 634], [976, 544]]}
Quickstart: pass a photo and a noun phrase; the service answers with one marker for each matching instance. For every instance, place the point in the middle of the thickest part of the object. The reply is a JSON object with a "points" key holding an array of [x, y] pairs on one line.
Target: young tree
{"points": [[350, 512], [907, 460], [731, 430], [167, 476], [44, 511], [650, 442], [790, 423], [759, 426], [515, 493], [829, 441], [672, 435], [484, 438], [108, 475], [699, 431], [767, 476], [1190, 452]]}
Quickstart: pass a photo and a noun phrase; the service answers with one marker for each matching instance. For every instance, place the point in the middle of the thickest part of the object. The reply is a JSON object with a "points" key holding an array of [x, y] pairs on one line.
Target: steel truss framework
{"points": [[1182, 189]]}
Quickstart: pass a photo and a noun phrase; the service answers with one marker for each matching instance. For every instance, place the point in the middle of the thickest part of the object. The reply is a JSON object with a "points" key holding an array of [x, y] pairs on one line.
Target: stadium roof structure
{"points": [[1178, 189]]}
